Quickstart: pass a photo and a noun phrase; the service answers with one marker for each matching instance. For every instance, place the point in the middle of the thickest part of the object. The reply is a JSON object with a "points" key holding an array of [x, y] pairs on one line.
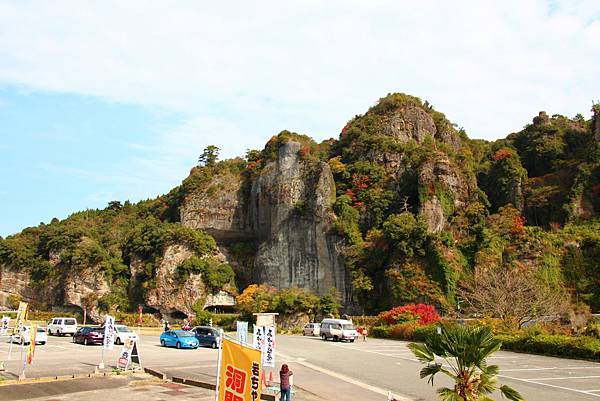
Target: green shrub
{"points": [[380, 331], [131, 319], [203, 318], [553, 345], [226, 321]]}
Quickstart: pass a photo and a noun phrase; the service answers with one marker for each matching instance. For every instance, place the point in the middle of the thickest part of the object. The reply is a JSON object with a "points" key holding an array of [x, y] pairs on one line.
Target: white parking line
{"points": [[379, 353], [347, 379], [550, 385], [552, 368], [564, 378]]}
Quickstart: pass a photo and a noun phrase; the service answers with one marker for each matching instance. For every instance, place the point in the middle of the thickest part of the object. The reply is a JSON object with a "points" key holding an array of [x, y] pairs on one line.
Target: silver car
{"points": [[312, 329]]}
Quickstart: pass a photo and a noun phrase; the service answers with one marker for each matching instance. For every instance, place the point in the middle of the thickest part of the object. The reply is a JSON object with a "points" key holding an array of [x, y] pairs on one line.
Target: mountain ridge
{"points": [[402, 207]]}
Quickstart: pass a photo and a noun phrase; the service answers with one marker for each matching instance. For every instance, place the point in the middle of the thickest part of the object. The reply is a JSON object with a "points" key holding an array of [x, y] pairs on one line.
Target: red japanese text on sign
{"points": [[236, 379]]}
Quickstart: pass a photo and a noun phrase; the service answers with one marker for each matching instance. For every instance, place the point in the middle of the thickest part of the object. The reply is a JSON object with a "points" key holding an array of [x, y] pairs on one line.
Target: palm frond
{"points": [[491, 370], [448, 394], [421, 352], [511, 394]]}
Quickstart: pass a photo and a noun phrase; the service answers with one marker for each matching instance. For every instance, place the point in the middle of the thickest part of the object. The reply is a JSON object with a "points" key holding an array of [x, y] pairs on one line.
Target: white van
{"points": [[338, 330], [62, 325]]}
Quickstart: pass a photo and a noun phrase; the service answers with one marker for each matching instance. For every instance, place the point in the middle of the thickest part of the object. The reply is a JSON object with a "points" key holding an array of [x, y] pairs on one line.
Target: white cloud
{"points": [[240, 71]]}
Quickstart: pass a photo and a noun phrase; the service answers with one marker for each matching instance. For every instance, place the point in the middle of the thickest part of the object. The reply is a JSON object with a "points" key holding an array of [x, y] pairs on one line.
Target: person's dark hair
{"points": [[284, 368]]}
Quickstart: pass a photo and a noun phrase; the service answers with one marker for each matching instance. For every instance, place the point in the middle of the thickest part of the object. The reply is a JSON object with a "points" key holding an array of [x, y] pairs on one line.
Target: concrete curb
{"points": [[196, 383], [47, 379]]}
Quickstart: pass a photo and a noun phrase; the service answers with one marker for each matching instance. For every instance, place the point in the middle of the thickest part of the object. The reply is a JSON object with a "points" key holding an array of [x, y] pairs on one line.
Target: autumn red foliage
{"points": [[518, 225], [304, 150], [501, 154], [345, 129], [252, 165], [425, 314]]}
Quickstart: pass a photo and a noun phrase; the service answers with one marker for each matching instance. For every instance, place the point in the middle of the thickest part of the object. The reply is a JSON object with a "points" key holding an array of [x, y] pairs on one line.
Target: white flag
{"points": [[242, 332], [109, 332], [4, 325], [268, 354], [259, 337]]}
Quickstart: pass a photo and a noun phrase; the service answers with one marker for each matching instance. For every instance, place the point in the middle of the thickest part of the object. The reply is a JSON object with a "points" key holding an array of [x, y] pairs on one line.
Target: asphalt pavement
{"points": [[325, 370]]}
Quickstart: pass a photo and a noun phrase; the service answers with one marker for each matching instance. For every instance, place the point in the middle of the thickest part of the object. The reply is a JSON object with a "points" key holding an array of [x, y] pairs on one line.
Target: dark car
{"points": [[89, 335], [207, 336]]}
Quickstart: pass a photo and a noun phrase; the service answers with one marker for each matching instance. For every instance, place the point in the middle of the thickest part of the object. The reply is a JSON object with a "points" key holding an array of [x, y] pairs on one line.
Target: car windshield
{"points": [[123, 329], [348, 327], [70, 322], [185, 334]]}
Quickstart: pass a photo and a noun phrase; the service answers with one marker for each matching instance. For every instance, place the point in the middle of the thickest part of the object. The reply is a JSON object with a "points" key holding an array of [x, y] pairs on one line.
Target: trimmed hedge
{"points": [[553, 345], [410, 331]]}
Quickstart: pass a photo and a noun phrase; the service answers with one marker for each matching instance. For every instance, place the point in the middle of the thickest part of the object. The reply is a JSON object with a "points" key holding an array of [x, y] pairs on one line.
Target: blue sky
{"points": [[115, 100]]}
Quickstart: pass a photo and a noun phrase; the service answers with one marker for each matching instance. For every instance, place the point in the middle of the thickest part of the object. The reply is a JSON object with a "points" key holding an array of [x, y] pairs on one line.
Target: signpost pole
{"points": [[101, 366], [221, 335], [22, 375]]}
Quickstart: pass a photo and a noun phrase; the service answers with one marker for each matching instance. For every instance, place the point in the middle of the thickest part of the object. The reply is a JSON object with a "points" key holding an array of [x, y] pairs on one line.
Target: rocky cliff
{"points": [[287, 211], [399, 208]]}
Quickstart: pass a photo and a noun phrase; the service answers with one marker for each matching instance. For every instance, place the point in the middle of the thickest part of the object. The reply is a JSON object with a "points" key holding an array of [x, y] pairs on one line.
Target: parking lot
{"points": [[60, 356], [366, 370]]}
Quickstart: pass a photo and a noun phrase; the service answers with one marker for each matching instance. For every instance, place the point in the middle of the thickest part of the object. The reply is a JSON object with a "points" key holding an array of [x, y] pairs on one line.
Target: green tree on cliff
{"points": [[209, 156]]}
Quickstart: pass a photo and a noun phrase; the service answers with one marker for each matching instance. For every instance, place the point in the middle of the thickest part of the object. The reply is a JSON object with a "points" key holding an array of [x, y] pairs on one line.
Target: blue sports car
{"points": [[178, 339]]}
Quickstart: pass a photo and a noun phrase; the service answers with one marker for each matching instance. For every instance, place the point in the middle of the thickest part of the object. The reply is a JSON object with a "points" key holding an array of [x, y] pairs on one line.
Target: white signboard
{"points": [[259, 337], [4, 325], [242, 332], [109, 332], [125, 355], [268, 351]]}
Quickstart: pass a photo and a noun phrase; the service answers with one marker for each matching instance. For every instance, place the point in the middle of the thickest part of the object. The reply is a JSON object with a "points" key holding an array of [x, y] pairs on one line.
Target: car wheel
{"points": [[336, 339], [352, 340], [178, 345], [118, 341], [303, 333], [43, 342], [163, 343], [85, 341], [213, 345], [73, 339], [324, 337]]}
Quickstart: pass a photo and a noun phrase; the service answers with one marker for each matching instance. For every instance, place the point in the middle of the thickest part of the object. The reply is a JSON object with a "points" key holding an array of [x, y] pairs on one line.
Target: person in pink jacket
{"points": [[284, 383]]}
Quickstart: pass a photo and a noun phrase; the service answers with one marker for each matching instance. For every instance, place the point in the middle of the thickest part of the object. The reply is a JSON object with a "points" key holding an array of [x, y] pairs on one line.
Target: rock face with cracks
{"points": [[288, 212]]}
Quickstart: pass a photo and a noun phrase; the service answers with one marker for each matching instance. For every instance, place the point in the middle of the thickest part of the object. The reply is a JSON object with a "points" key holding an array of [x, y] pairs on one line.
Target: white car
{"points": [[62, 325], [312, 329], [123, 333], [23, 337]]}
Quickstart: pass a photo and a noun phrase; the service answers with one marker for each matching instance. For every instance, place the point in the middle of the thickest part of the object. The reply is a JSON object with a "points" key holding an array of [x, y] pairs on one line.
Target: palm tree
{"points": [[464, 351]]}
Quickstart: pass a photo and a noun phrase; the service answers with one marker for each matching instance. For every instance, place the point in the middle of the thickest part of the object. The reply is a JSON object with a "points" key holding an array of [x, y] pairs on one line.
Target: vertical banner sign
{"points": [[31, 346], [259, 337], [242, 332], [21, 315], [84, 314], [109, 332], [4, 325], [239, 374], [268, 354]]}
